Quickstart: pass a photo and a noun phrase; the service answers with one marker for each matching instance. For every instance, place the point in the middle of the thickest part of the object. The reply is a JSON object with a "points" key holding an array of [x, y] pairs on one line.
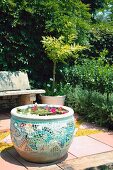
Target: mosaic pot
{"points": [[42, 139]]}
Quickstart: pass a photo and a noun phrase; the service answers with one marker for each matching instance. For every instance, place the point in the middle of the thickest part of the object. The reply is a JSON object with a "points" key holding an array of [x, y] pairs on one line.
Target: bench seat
{"points": [[21, 92], [15, 90]]}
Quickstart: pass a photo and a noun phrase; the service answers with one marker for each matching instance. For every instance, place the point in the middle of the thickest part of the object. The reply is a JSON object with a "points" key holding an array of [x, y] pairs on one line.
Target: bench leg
{"points": [[27, 99]]}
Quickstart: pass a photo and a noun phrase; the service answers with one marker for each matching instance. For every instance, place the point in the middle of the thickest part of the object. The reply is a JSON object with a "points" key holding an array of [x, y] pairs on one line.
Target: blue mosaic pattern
{"points": [[51, 137]]}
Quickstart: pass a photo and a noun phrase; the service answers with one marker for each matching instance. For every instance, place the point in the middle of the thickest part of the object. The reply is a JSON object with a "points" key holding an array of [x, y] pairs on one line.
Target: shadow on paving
{"points": [[10, 155], [5, 114]]}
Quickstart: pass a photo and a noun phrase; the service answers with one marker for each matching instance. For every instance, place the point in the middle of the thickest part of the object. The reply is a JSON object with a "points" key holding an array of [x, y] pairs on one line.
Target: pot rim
{"points": [[59, 96], [34, 117]]}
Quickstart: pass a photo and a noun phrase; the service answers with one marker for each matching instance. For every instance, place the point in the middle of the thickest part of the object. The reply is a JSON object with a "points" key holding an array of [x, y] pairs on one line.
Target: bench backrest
{"points": [[13, 81]]}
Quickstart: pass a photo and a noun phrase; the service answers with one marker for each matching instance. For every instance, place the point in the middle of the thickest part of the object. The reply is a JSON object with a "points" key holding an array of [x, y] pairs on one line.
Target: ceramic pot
{"points": [[42, 139], [54, 100]]}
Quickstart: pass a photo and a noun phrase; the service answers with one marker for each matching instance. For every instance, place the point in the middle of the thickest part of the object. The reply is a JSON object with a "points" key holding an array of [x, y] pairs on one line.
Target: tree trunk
{"points": [[107, 98], [54, 74]]}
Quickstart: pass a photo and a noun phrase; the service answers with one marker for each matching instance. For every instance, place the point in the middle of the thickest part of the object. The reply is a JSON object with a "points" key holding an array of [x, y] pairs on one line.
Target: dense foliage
{"points": [[92, 75], [22, 25], [101, 38], [101, 33], [94, 96], [92, 105]]}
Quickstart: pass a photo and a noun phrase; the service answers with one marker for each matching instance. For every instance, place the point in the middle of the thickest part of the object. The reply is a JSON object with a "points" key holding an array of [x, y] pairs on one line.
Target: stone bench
{"points": [[15, 90]]}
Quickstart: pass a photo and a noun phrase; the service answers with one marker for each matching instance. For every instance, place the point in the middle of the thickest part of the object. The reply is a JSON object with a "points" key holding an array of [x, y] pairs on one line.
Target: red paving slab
{"points": [[84, 145], [7, 162], [4, 124], [102, 161], [106, 138], [4, 121]]}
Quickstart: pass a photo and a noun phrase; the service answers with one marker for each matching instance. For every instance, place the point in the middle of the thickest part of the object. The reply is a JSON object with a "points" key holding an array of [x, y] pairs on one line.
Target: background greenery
{"points": [[88, 23], [22, 25]]}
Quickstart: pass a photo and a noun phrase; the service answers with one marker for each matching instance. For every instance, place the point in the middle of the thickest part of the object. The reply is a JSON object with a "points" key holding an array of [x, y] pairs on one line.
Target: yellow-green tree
{"points": [[59, 51]]}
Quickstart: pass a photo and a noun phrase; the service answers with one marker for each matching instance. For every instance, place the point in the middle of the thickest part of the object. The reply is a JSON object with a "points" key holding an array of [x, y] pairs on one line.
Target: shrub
{"points": [[92, 75], [91, 105], [59, 89], [101, 37]]}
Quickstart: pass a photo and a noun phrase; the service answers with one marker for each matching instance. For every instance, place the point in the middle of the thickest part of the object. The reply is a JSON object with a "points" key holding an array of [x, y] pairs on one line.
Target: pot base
{"points": [[40, 157]]}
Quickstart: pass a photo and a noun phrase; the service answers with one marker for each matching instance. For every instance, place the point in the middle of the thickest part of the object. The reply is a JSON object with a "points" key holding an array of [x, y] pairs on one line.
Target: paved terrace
{"points": [[86, 152]]}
